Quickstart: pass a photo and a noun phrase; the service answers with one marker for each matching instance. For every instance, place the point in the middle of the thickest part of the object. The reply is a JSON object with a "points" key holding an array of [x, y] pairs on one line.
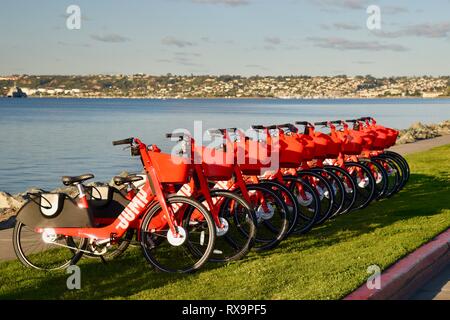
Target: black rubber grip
{"points": [[216, 132], [175, 135], [302, 123], [323, 123], [353, 120], [259, 127], [289, 126], [124, 141], [336, 121]]}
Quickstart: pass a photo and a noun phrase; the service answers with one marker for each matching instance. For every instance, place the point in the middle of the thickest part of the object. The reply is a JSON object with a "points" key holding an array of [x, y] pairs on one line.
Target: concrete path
{"points": [[421, 145], [6, 247], [437, 289]]}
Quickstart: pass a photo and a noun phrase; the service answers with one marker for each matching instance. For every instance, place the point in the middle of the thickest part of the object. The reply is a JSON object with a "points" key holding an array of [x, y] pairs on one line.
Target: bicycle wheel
{"points": [[402, 163], [289, 199], [401, 169], [349, 187], [237, 237], [393, 174], [337, 187], [365, 184], [33, 252], [309, 204], [271, 214], [184, 254], [323, 190], [380, 176]]}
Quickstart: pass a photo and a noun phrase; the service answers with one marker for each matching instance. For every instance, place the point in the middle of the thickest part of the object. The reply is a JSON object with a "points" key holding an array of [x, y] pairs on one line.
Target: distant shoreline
{"points": [[233, 98]]}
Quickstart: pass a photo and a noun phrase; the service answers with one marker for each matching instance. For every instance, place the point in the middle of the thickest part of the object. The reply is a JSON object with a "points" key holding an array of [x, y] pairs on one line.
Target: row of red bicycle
{"points": [[204, 203]]}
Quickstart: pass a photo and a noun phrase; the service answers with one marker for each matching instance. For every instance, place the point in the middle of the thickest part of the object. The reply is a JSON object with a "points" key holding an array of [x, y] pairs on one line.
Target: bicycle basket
{"points": [[290, 151], [325, 146], [170, 168], [368, 138], [351, 144], [217, 165], [392, 137], [252, 156]]}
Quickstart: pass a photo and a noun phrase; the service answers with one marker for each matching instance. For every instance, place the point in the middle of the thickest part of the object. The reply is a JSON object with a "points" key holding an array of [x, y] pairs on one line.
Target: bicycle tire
{"points": [[149, 246], [274, 234], [338, 189], [362, 199], [18, 246], [380, 177], [312, 206], [228, 241], [288, 198], [326, 207], [349, 187]]}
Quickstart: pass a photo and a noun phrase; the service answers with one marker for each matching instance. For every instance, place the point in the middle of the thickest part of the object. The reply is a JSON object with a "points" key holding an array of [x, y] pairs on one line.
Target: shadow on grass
{"points": [[423, 196]]}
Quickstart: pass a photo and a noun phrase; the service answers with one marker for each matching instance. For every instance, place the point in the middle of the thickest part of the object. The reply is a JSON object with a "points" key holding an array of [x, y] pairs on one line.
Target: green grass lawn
{"points": [[328, 263]]}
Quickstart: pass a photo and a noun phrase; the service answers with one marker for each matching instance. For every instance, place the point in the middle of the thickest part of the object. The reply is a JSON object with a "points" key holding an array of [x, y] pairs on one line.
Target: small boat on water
{"points": [[18, 94]]}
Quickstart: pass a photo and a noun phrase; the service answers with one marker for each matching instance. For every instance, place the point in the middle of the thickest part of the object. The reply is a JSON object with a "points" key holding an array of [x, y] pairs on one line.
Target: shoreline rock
{"points": [[419, 131]]}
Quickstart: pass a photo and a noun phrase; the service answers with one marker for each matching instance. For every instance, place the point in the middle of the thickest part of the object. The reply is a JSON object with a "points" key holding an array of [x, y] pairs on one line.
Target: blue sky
{"points": [[246, 37]]}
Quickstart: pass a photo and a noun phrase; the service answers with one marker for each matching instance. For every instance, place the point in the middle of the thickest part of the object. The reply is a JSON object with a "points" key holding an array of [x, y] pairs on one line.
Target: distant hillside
{"points": [[227, 86]]}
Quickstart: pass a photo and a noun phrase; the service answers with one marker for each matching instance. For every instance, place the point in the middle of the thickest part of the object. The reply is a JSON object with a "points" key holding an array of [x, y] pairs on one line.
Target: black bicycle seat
{"points": [[67, 181]]}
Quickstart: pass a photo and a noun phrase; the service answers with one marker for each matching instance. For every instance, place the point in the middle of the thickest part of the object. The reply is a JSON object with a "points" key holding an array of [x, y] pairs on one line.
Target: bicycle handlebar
{"points": [[289, 126], [221, 132], [176, 135], [216, 132], [285, 125], [124, 141], [260, 127]]}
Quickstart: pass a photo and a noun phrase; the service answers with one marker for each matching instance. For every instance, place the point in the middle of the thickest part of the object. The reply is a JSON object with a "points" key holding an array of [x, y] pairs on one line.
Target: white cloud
{"points": [[428, 30], [172, 41], [232, 3], [345, 44], [110, 38]]}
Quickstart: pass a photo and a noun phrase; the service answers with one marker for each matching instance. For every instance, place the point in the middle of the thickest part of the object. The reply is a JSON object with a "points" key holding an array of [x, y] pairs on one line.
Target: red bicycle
{"points": [[270, 211], [386, 138], [235, 219], [361, 175], [176, 233], [301, 205]]}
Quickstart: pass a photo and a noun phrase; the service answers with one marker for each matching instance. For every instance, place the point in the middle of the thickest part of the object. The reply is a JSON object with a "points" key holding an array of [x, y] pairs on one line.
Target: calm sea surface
{"points": [[43, 139]]}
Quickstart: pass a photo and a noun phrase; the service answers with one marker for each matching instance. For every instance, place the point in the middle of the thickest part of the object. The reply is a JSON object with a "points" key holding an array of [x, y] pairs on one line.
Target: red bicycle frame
{"points": [[149, 195]]}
